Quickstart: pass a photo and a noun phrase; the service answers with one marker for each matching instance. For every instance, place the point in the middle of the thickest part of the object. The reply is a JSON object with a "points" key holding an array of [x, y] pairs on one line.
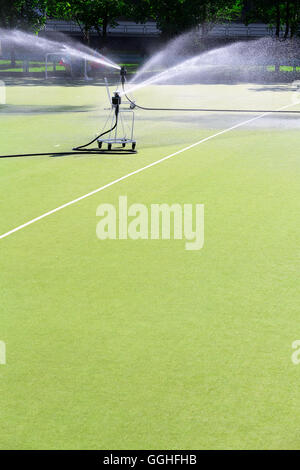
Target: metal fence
{"points": [[232, 30], [127, 28], [123, 28]]}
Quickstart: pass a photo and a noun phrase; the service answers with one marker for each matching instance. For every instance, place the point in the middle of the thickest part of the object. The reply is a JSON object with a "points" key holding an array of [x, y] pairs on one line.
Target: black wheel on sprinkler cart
{"points": [[123, 144], [133, 146], [99, 145], [108, 146]]}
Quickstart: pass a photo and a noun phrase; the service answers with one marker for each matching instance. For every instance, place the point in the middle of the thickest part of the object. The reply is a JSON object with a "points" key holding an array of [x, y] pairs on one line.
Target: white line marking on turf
{"points": [[57, 209]]}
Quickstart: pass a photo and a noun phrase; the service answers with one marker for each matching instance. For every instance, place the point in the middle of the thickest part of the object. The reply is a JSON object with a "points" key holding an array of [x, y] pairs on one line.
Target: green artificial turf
{"points": [[34, 66], [142, 344]]}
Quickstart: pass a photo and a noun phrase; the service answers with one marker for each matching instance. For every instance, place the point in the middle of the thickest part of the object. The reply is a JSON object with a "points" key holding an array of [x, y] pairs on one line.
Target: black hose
{"points": [[81, 147], [134, 105]]}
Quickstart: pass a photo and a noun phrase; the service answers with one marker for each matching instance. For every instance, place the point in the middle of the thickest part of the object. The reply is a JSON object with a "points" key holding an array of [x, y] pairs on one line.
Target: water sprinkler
{"points": [[123, 73], [116, 100], [118, 134]]}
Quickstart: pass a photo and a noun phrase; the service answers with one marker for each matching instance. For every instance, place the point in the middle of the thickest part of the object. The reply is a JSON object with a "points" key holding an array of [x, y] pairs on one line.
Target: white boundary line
{"points": [[57, 209]]}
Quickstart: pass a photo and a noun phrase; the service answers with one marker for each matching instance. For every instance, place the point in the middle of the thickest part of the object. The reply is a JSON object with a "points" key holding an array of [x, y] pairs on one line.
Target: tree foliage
{"points": [[176, 16], [171, 16], [24, 14], [283, 15], [88, 14]]}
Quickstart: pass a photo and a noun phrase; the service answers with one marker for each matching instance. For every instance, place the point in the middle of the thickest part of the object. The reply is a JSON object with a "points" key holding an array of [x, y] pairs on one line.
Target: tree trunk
{"points": [[278, 18], [3, 23], [287, 19], [104, 26], [86, 36], [295, 18]]}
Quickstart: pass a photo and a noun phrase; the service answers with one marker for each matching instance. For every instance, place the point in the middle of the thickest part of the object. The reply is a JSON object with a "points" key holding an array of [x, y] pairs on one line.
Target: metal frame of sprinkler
{"points": [[117, 134]]}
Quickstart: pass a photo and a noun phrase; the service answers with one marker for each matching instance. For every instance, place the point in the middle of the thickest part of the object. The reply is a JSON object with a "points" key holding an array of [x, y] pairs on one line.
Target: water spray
{"points": [[208, 110], [236, 55]]}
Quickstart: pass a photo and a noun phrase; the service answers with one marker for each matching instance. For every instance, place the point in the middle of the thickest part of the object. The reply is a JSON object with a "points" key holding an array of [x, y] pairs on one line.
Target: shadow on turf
{"points": [[116, 152], [28, 81], [209, 120], [276, 88], [32, 109], [114, 80], [109, 153]]}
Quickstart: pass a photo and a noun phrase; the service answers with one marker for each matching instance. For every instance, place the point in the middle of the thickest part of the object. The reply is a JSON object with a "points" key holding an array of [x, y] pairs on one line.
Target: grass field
{"points": [[124, 344], [33, 66]]}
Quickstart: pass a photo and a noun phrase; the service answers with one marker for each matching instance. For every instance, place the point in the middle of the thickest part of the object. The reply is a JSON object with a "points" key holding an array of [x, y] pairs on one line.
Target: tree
{"points": [[177, 16], [88, 14], [284, 15], [22, 14], [218, 11], [25, 14]]}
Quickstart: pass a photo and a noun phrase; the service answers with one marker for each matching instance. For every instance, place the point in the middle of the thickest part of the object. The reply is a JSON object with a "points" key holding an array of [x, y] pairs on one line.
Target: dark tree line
{"points": [[279, 14], [172, 16]]}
